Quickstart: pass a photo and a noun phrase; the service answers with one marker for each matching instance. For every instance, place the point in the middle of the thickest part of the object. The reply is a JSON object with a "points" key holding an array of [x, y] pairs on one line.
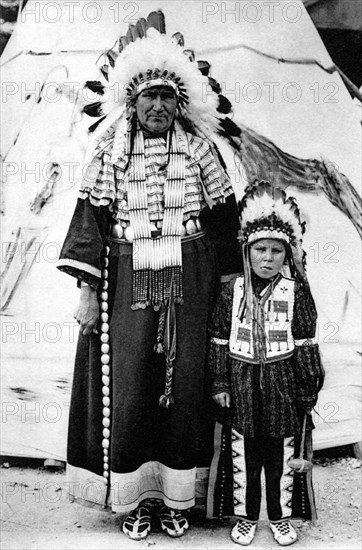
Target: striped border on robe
{"points": [[176, 488]]}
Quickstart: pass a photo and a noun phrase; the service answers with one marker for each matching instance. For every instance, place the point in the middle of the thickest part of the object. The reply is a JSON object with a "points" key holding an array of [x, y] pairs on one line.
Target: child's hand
{"points": [[222, 399]]}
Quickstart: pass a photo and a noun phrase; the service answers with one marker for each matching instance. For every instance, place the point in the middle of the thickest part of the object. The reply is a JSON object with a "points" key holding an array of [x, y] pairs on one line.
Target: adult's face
{"points": [[267, 257], [156, 108]]}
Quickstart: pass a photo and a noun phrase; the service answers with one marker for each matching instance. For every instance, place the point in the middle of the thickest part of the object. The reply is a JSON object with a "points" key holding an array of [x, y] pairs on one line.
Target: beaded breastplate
{"points": [[268, 336]]}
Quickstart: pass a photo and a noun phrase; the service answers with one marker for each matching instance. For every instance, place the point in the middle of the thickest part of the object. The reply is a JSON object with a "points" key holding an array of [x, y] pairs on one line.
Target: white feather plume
{"points": [[159, 51], [263, 206]]}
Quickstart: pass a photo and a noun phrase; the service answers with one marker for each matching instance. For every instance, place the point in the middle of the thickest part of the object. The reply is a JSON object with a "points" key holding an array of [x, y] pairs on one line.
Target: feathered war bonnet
{"points": [[267, 213], [148, 57]]}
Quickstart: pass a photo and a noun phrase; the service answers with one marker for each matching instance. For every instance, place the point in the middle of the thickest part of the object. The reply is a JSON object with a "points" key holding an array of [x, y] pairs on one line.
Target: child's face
{"points": [[267, 257]]}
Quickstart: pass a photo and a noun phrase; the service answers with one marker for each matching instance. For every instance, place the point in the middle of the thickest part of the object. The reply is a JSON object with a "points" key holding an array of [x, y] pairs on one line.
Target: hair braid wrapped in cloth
{"points": [[169, 347]]}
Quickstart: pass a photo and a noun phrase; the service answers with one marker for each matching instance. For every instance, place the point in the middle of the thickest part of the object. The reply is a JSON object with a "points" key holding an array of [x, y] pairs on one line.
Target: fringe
{"points": [[152, 288]]}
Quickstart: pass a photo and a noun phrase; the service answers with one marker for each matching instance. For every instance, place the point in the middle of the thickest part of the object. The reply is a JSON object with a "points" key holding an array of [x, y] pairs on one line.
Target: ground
{"points": [[37, 515]]}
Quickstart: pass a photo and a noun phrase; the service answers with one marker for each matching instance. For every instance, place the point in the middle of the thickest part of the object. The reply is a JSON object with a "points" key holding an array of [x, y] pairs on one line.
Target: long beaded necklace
{"points": [[157, 261]]}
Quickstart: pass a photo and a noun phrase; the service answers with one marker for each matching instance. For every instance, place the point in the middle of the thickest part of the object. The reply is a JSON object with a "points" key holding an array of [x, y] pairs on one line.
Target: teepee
{"points": [[272, 66]]}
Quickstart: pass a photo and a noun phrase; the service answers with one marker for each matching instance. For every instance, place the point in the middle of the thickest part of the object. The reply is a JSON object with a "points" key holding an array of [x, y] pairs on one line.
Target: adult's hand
{"points": [[87, 313], [222, 399]]}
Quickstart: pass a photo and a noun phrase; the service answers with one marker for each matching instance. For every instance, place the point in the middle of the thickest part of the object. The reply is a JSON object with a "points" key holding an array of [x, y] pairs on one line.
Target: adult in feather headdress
{"points": [[155, 219]]}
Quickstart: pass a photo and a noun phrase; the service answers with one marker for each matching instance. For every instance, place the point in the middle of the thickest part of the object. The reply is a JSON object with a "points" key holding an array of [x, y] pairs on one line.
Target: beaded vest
{"points": [[268, 335]]}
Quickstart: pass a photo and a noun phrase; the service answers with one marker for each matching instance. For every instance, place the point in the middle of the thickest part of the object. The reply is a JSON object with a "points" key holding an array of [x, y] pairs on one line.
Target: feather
{"points": [[156, 20], [105, 72], [130, 34], [214, 85], [123, 43], [102, 60], [106, 123], [178, 39], [224, 106], [95, 86], [229, 129], [307, 175], [94, 109], [142, 27], [265, 206], [134, 32], [341, 193], [190, 54], [156, 51], [95, 125], [112, 56], [259, 153], [204, 67]]}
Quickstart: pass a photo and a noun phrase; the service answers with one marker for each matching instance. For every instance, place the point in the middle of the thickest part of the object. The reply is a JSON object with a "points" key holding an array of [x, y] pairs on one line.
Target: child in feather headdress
{"points": [[267, 372]]}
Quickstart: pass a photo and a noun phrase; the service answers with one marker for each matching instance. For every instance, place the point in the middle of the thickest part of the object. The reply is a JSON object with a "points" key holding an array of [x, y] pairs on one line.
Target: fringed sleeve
{"points": [[219, 330], [81, 252], [310, 372], [215, 181], [99, 178]]}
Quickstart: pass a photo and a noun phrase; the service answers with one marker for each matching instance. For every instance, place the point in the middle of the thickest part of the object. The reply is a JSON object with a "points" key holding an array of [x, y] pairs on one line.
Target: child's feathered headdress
{"points": [[267, 213]]}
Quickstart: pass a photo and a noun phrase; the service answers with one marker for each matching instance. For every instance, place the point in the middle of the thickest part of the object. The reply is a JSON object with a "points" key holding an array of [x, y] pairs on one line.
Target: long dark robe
{"points": [[154, 452]]}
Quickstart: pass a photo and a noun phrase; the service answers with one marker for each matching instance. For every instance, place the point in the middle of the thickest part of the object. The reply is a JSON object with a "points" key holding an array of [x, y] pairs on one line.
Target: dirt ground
{"points": [[37, 515]]}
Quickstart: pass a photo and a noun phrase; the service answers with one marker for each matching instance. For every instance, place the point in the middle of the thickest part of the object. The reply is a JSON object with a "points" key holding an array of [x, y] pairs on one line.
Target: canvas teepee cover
{"points": [[304, 109]]}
